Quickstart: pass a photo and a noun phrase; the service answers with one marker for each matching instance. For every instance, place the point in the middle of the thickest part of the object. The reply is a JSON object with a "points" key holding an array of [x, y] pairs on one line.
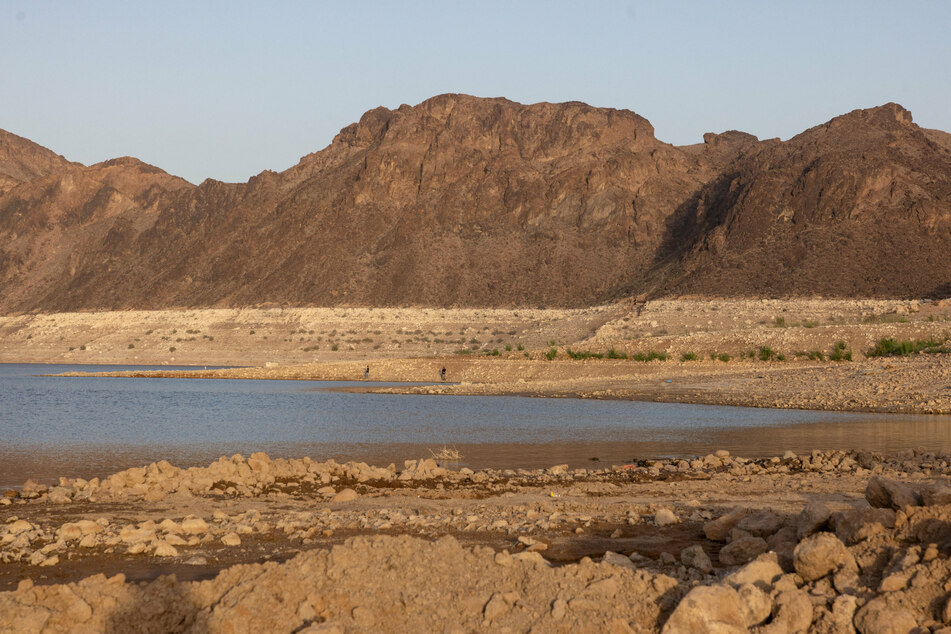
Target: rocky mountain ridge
{"points": [[464, 201]]}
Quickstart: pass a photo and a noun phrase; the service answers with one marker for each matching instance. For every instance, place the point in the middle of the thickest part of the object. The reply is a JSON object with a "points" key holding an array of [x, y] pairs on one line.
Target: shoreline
{"points": [[885, 386], [628, 547]]}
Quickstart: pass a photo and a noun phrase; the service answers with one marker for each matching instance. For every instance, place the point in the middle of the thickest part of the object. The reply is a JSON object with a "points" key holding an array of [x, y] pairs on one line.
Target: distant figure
{"points": [[442, 374], [366, 374]]}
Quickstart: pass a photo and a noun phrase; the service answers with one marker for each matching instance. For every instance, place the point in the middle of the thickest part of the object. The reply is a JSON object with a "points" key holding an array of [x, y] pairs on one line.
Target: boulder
{"points": [[719, 529], [762, 572], [707, 609], [742, 550], [346, 495], [755, 604], [761, 524], [194, 526], [792, 612], [856, 525], [879, 617], [882, 493], [820, 554], [814, 517], [665, 517], [695, 557]]}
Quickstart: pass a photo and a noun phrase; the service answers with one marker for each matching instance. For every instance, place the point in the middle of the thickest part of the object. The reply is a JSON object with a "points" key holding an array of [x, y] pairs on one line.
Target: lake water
{"points": [[52, 427]]}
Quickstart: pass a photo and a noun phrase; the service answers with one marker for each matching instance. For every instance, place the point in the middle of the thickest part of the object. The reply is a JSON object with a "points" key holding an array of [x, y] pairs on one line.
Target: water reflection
{"points": [[85, 427]]}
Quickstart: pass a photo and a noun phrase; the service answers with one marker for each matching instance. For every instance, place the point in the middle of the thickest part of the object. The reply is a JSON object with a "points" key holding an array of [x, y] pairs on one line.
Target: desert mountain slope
{"points": [[485, 202], [22, 160], [858, 206]]}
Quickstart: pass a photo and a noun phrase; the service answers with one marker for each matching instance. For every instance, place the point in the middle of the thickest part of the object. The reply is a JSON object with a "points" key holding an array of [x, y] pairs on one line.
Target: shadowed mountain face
{"points": [[486, 202]]}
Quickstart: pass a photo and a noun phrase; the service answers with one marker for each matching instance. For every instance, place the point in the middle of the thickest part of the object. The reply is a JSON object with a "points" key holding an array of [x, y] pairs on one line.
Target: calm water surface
{"points": [[52, 427]]}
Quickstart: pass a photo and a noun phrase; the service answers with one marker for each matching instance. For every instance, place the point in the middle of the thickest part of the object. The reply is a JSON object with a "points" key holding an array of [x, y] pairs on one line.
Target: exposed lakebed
{"points": [[53, 426]]}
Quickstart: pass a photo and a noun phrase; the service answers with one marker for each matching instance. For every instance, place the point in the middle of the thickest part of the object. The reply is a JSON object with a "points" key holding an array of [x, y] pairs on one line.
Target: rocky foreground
{"points": [[826, 542]]}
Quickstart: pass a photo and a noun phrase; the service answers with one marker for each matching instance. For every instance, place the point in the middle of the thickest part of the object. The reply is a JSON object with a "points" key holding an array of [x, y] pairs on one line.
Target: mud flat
{"points": [[827, 542]]}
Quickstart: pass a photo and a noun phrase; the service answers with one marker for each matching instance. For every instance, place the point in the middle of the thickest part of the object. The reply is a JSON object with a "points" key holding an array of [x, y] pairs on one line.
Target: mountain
{"points": [[485, 202], [858, 206]]}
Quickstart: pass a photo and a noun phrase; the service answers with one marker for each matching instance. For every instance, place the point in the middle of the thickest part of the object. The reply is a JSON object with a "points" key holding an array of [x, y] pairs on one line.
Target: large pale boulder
{"points": [[708, 610], [820, 554]]}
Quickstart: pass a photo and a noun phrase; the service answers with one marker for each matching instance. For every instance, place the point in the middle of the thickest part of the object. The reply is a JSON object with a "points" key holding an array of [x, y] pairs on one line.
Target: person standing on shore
{"points": [[442, 374], [366, 374]]}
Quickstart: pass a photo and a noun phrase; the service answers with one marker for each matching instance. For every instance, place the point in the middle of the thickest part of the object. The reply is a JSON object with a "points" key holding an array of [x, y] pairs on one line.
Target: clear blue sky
{"points": [[228, 89]]}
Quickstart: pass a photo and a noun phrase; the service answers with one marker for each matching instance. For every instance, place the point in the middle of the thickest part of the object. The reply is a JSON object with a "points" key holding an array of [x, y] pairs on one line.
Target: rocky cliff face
{"points": [[860, 205], [468, 201]]}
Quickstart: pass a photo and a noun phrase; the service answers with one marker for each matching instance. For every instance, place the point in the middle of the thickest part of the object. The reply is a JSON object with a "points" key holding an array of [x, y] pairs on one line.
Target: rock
{"points": [[665, 517], [19, 526], [789, 455], [69, 532], [792, 612], [196, 561], [893, 582], [937, 495], [843, 611], [878, 617], [819, 554], [762, 524], [814, 517], [882, 493], [856, 525], [721, 453], [707, 609], [231, 539], [695, 557], [742, 551], [194, 526], [346, 495], [762, 572], [754, 603], [133, 535], [719, 529], [617, 559], [164, 549]]}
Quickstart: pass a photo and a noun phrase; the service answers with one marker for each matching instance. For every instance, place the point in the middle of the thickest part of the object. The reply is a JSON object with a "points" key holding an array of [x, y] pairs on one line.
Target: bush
{"points": [[724, 357], [688, 356], [779, 322], [519, 347], [840, 352], [888, 347], [551, 354], [650, 356], [614, 354], [766, 354], [586, 354]]}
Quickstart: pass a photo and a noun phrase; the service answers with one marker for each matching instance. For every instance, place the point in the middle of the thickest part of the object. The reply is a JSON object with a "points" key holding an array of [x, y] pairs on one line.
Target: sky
{"points": [[227, 89]]}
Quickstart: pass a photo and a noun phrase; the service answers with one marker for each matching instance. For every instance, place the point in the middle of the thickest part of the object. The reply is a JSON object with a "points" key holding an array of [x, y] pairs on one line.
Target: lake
{"points": [[51, 427]]}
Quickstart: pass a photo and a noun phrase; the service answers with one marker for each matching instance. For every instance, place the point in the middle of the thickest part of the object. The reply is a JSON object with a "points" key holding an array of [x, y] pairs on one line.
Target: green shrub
{"points": [[650, 356], [519, 347], [335, 347], [723, 357], [779, 322], [840, 352], [551, 354], [766, 354], [508, 347], [688, 356], [888, 347], [614, 354], [584, 354], [810, 324]]}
